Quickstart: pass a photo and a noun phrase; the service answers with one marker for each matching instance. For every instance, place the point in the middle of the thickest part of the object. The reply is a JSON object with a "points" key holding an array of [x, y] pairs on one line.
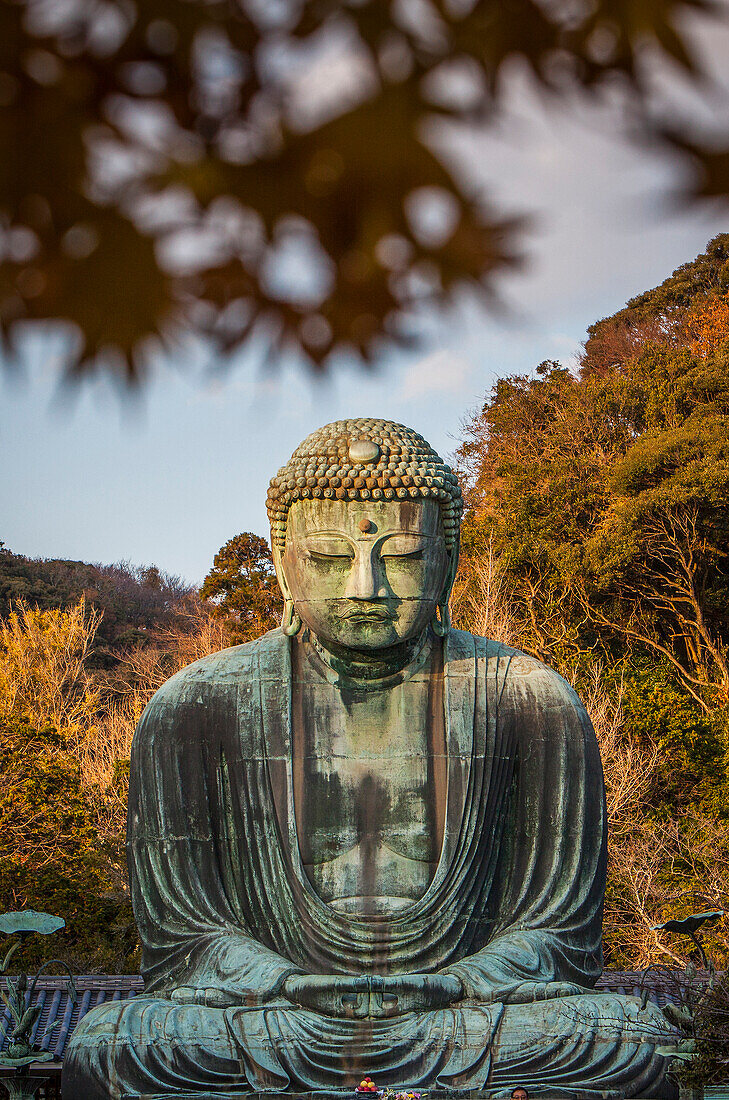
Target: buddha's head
{"points": [[364, 526]]}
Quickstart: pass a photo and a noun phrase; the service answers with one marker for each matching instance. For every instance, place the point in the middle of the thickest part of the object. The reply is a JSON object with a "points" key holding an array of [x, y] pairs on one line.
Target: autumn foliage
{"points": [[601, 500], [66, 727], [707, 325]]}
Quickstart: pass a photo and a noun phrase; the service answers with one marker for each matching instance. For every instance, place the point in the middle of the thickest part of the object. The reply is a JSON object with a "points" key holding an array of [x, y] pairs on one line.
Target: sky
{"points": [[167, 478]]}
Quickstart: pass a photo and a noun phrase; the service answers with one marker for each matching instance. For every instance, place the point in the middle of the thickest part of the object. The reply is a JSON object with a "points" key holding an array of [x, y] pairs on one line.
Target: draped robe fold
{"points": [[225, 910]]}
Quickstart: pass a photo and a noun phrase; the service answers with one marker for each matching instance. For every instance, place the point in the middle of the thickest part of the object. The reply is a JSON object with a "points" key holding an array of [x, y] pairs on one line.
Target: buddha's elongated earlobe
{"points": [[441, 625], [290, 620]]}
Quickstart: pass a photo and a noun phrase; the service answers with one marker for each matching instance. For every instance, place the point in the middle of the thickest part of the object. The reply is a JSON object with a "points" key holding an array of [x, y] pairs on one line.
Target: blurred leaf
{"points": [[127, 128], [711, 164]]}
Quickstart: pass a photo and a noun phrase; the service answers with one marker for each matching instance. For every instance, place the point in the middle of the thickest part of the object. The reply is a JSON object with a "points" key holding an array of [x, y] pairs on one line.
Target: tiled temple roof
{"points": [[53, 994], [95, 989], [663, 985]]}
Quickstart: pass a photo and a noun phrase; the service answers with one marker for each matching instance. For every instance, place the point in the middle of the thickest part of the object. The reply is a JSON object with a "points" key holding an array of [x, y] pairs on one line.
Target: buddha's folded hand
{"points": [[372, 997], [403, 993], [330, 994]]}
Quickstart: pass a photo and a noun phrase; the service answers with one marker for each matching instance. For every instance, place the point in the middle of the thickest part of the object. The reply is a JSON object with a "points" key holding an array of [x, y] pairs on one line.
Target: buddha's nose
{"points": [[365, 580]]}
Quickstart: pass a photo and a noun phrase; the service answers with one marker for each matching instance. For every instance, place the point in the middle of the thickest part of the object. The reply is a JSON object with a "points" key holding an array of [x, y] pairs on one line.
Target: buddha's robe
{"points": [[226, 912]]}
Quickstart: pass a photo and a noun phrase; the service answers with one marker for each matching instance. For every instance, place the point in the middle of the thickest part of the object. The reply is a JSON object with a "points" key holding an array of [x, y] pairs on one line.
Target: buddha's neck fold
{"points": [[372, 667]]}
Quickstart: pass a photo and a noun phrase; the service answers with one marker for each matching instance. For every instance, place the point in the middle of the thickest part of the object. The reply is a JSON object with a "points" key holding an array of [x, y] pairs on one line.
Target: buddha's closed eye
{"points": [[324, 549], [403, 546], [410, 555]]}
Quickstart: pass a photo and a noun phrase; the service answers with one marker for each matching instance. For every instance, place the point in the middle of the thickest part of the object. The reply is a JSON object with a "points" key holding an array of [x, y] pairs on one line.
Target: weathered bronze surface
{"points": [[367, 843]]}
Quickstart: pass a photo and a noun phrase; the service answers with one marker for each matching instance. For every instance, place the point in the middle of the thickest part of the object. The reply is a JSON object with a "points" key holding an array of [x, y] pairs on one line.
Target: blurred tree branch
{"points": [[242, 169]]}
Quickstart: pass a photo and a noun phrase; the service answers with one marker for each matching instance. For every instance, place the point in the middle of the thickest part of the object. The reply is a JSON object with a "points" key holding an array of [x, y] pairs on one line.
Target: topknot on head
{"points": [[364, 459]]}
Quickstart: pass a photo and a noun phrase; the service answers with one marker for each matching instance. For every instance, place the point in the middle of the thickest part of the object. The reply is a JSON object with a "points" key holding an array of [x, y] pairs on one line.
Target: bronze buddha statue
{"points": [[367, 843]]}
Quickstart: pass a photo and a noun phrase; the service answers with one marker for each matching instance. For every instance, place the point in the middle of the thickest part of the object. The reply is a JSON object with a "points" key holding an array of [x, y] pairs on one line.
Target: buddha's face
{"points": [[365, 575]]}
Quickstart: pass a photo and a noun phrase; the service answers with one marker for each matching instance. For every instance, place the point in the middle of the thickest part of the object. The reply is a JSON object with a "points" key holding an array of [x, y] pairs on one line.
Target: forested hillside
{"points": [[597, 534], [134, 601]]}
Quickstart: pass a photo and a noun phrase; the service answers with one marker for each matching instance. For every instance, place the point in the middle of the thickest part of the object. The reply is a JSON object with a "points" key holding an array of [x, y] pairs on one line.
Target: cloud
{"points": [[441, 372]]}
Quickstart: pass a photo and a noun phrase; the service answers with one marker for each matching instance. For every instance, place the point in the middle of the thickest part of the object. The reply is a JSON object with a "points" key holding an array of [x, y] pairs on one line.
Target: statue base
{"points": [[545, 1093]]}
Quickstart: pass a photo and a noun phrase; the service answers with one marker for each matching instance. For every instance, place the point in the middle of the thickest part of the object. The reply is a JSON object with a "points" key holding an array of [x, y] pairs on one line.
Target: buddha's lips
{"points": [[369, 614]]}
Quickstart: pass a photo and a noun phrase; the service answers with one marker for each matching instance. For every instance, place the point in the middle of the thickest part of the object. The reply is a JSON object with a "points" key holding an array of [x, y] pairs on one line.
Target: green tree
{"points": [[242, 584], [51, 856], [608, 491], [603, 497], [162, 155]]}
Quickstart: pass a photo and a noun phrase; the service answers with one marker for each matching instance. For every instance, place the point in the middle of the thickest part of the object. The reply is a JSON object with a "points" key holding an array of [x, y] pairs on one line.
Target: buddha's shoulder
{"points": [[219, 674], [510, 670]]}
